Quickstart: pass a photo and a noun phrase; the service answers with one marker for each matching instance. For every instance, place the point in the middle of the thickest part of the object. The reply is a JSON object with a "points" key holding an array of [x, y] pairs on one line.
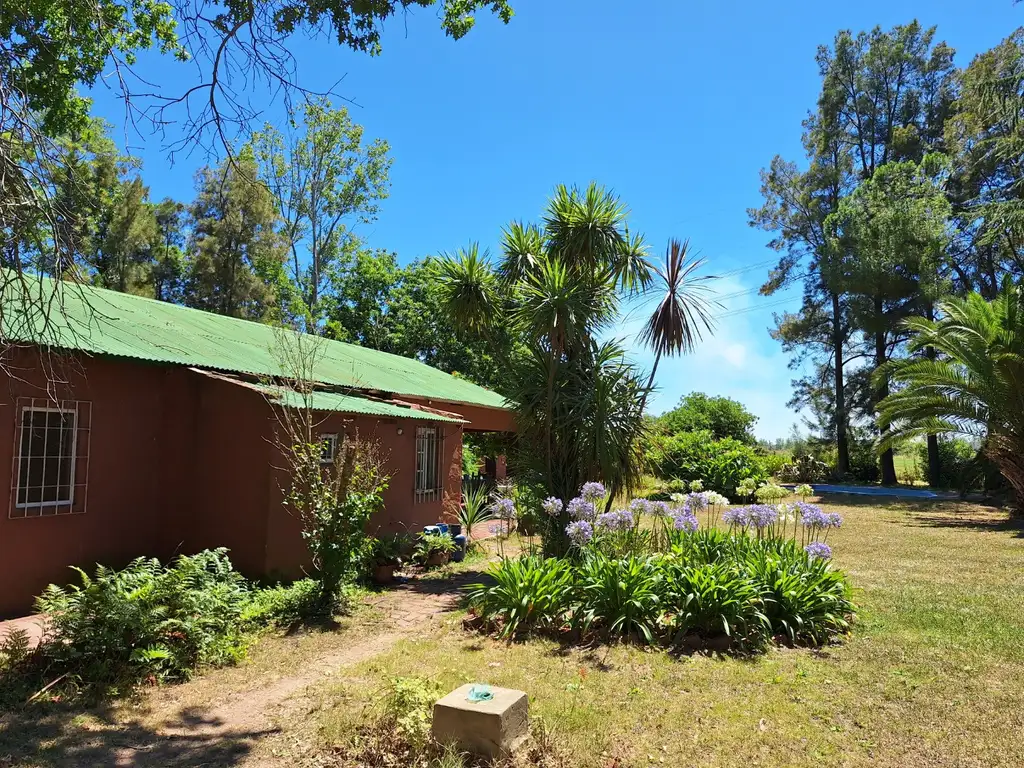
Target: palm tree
{"points": [[975, 387], [558, 286]]}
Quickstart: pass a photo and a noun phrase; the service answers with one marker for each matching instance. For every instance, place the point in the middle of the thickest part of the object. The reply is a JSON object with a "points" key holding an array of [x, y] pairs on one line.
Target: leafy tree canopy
{"points": [[722, 417]]}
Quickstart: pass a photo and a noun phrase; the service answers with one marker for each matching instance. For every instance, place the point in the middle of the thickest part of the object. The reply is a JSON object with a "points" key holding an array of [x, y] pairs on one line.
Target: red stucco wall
{"points": [[180, 461], [130, 466], [402, 513]]}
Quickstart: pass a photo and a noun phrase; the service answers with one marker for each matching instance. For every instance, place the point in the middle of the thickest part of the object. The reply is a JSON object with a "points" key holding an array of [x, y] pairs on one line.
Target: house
{"points": [[130, 427]]}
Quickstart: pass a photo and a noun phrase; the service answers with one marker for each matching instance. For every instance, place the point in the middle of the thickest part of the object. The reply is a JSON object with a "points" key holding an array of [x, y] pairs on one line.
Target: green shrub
{"points": [[721, 464], [527, 592], [864, 460], [805, 469], [620, 595], [288, 606], [707, 584], [772, 463], [118, 628], [957, 465], [804, 599], [712, 599], [428, 544], [408, 708]]}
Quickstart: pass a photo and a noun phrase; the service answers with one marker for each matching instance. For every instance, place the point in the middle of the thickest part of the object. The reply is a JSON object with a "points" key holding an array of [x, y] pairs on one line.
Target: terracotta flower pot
{"points": [[384, 574], [435, 559]]}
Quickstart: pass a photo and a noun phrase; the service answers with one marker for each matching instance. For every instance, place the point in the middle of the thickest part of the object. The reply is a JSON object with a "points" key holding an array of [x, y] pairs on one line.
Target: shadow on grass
{"points": [[941, 513], [54, 734]]}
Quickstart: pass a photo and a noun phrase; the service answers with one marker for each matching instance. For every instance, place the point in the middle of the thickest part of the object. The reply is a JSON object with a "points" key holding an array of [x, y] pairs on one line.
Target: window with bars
{"points": [[51, 457], [429, 444], [329, 449]]}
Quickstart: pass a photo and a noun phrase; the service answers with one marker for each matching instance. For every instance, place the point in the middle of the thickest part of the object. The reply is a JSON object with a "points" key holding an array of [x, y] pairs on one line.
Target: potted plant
{"points": [[385, 557], [434, 549]]}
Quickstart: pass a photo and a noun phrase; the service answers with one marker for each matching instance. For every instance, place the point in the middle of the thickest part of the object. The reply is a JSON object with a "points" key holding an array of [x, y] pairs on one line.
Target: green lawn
{"points": [[932, 675]]}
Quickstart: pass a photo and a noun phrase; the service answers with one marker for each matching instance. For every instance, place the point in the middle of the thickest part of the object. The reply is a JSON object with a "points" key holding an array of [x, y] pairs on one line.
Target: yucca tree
{"points": [[975, 387], [558, 285]]}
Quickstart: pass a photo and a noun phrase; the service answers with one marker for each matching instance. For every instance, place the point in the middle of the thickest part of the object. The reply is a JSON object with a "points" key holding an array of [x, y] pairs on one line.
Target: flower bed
{"points": [[704, 574]]}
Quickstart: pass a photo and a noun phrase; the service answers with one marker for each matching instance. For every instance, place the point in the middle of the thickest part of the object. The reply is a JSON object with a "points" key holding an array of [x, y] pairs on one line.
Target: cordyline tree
{"points": [[975, 386], [578, 401]]}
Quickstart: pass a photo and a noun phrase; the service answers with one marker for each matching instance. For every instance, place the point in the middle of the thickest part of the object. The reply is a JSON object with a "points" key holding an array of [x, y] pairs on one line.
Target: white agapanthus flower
{"points": [[716, 499]]}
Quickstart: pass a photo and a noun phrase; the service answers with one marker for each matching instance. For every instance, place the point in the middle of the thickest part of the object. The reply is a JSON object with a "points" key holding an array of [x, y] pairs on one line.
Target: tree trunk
{"points": [[842, 443], [886, 462], [934, 468], [1009, 458]]}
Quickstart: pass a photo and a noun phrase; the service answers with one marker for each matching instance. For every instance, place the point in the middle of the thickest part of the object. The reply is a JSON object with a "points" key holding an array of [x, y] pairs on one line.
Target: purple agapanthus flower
{"points": [[640, 507], [660, 508], [696, 502], [685, 521], [581, 509], [818, 550], [835, 520], [552, 506], [504, 509], [735, 516], [616, 520], [580, 533], [762, 515], [592, 492], [811, 515]]}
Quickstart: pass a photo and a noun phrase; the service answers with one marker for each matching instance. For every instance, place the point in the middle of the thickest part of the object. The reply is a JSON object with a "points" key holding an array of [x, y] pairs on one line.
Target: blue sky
{"points": [[676, 108]]}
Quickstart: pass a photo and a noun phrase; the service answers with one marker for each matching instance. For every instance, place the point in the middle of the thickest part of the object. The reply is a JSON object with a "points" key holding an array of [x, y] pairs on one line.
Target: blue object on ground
{"points": [[876, 490], [443, 527], [460, 548], [432, 530]]}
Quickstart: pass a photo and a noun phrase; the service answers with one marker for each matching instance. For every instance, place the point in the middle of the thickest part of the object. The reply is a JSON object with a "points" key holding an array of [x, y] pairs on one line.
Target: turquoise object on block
{"points": [[480, 692]]}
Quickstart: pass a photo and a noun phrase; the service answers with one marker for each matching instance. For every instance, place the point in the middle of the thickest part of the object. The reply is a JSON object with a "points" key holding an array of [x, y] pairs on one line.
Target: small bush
{"points": [[527, 592], [288, 606], [119, 628], [747, 586], [721, 464], [957, 465], [475, 509], [864, 460], [713, 599], [805, 469], [804, 599], [772, 463], [620, 595]]}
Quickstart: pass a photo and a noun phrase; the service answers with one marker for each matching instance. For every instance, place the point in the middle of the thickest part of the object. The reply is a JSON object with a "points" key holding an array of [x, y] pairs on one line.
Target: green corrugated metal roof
{"points": [[335, 402], [105, 322]]}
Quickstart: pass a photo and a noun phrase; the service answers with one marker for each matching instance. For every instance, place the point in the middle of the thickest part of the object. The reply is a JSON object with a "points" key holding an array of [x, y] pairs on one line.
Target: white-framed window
{"points": [[429, 447], [51, 455], [329, 441]]}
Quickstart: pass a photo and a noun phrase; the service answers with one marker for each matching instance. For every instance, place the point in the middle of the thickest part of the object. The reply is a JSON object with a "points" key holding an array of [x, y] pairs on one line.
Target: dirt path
{"points": [[226, 734]]}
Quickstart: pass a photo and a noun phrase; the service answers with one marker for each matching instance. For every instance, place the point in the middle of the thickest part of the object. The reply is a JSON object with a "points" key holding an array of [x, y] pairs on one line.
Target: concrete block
{"points": [[493, 728]]}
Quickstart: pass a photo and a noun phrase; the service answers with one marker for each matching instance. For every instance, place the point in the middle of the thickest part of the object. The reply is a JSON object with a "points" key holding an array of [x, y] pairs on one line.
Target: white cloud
{"points": [[735, 354]]}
